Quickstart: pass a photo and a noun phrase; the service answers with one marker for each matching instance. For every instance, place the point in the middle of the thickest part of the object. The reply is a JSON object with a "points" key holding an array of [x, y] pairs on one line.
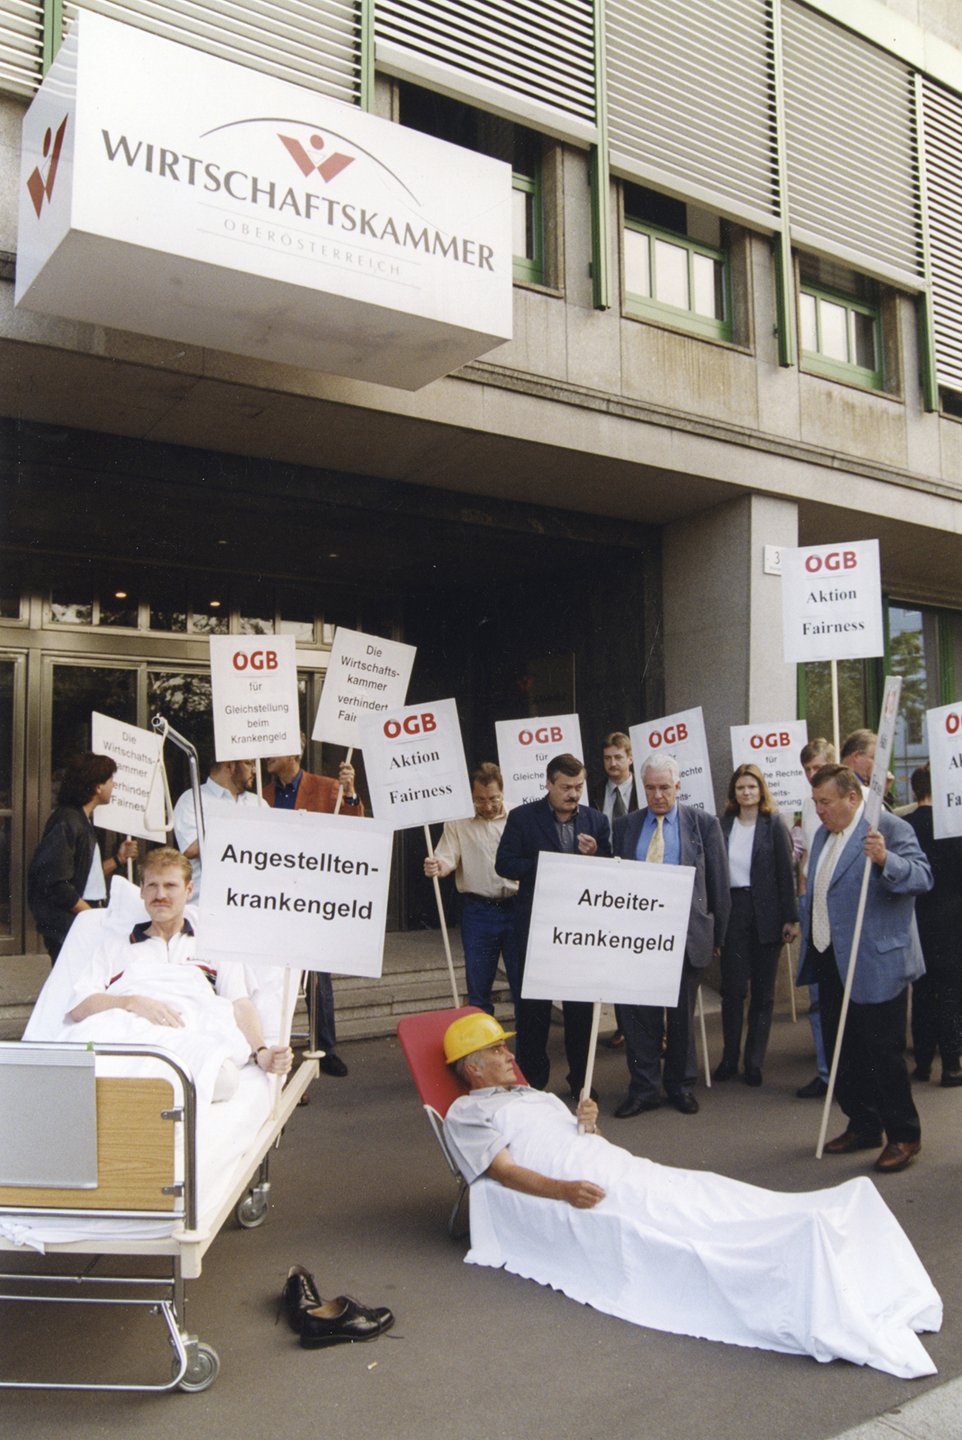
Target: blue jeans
{"points": [[487, 931]]}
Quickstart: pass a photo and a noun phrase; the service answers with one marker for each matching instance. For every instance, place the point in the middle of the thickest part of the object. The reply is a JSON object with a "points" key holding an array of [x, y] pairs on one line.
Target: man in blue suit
{"points": [[558, 822], [873, 1086], [671, 834]]}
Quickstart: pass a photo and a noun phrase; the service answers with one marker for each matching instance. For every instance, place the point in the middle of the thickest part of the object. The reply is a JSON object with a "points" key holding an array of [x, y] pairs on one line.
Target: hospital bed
{"points": [[112, 1163]]}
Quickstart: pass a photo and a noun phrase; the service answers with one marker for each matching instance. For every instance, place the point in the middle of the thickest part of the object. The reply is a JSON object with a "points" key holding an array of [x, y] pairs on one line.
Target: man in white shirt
{"points": [[467, 849], [226, 789]]}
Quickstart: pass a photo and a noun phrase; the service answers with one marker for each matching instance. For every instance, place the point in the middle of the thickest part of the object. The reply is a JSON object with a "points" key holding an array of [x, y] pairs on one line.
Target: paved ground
{"points": [[361, 1195]]}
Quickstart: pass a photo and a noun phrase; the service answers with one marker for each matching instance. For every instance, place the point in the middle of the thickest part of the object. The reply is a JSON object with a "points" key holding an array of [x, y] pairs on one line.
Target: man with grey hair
{"points": [[668, 833]]}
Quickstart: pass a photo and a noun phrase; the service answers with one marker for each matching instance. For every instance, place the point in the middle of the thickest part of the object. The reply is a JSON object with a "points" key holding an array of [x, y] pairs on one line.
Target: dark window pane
{"points": [[119, 607], [77, 691]]}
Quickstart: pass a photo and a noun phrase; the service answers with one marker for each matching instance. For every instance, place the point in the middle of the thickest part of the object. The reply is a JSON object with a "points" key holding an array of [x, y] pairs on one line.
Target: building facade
{"points": [[737, 326]]}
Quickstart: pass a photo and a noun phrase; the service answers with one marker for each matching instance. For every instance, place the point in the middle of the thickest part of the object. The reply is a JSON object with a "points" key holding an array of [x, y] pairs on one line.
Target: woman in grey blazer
{"points": [[763, 918]]}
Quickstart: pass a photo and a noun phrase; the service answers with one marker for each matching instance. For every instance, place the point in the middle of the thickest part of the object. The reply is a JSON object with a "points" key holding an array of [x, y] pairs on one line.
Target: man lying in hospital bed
{"points": [[829, 1274], [134, 974], [150, 987]]}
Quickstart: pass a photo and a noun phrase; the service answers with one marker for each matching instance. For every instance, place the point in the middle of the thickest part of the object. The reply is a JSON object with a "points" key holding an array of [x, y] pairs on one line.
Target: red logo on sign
{"points": [[41, 188], [307, 164]]}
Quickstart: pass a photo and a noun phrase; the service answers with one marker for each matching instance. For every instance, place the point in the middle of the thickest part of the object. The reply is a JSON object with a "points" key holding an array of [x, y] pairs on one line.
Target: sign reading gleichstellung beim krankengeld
{"points": [[607, 930], [253, 681], [255, 216], [290, 887], [832, 602]]}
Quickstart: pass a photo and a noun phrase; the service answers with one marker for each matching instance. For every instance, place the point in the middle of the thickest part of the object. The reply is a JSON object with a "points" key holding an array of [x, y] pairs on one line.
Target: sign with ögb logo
{"points": [[414, 759], [775, 749], [524, 749], [683, 736], [945, 757], [254, 696], [832, 602]]}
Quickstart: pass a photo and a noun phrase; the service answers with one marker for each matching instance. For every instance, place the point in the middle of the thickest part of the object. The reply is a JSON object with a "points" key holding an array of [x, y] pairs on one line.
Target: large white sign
{"points": [[878, 783], [414, 761], [365, 676], [172, 193], [607, 930], [832, 602], [945, 752], [290, 887], [775, 749], [526, 746], [253, 681], [137, 803], [683, 736]]}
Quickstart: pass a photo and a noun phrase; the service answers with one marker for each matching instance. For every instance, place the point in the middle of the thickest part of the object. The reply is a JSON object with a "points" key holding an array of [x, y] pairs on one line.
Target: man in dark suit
{"points": [[558, 822], [873, 1086], [672, 834], [615, 796], [292, 788]]}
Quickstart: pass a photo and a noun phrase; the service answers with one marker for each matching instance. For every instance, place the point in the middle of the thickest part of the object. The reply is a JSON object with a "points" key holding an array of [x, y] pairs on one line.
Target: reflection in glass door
{"points": [[11, 788]]}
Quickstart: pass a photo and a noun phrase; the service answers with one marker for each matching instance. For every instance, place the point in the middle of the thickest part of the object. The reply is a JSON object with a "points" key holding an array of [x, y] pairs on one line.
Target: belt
{"points": [[489, 900]]}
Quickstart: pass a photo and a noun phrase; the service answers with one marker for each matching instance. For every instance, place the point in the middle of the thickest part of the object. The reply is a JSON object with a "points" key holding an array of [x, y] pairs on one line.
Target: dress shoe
{"points": [[815, 1089], [951, 1078], [921, 1073], [343, 1321], [752, 1077], [896, 1155], [630, 1106], [332, 1064], [299, 1295], [848, 1142], [724, 1071], [684, 1102]]}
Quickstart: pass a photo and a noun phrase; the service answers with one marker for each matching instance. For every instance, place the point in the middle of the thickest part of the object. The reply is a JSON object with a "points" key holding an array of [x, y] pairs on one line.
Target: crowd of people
{"points": [[758, 886]]}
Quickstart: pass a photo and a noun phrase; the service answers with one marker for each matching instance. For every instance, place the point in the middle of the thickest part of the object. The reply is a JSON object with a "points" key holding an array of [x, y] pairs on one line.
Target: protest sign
{"points": [[414, 759], [137, 804], [832, 602], [607, 930], [365, 676], [254, 696], [945, 757], [294, 888], [683, 736], [524, 749], [775, 749], [878, 784]]}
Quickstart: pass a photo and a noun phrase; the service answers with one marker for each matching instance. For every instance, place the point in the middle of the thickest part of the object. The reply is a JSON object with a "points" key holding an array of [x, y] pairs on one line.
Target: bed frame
{"points": [[145, 1141]]}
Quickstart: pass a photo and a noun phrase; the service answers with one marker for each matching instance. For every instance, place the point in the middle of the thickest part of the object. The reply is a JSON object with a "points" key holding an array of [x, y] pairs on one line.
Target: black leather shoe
{"points": [[299, 1295], [343, 1321], [684, 1101], [630, 1106], [724, 1071], [950, 1078], [815, 1089], [332, 1064], [849, 1141], [752, 1077]]}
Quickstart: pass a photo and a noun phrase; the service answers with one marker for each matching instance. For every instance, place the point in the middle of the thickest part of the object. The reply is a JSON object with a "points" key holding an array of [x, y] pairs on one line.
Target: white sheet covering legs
{"points": [[829, 1273]]}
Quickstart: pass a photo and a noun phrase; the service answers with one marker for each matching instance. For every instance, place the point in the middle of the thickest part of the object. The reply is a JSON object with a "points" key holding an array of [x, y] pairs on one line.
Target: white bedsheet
{"points": [[829, 1273]]}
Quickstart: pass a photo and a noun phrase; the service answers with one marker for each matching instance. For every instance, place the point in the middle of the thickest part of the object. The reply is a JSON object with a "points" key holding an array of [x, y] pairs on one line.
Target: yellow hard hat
{"points": [[470, 1033]]}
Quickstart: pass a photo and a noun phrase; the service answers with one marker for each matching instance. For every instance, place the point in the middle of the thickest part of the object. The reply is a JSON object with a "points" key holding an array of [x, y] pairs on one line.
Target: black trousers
{"points": [[531, 1051], [937, 1019], [643, 1027], [745, 962], [873, 1086]]}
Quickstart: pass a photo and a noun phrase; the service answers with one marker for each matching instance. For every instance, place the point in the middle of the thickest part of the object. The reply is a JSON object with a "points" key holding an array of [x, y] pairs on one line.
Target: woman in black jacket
{"points": [[763, 918], [67, 873]]}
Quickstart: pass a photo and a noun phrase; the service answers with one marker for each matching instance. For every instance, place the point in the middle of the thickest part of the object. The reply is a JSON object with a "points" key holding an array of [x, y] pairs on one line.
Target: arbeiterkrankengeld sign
{"points": [[172, 193]]}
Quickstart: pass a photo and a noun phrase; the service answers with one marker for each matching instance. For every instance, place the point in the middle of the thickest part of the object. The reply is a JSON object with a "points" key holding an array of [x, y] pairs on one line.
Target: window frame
{"points": [[849, 372], [650, 308], [525, 269]]}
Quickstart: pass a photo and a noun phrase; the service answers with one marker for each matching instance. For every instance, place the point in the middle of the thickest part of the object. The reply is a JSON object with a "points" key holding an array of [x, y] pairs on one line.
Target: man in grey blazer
{"points": [[873, 1086], [672, 834]]}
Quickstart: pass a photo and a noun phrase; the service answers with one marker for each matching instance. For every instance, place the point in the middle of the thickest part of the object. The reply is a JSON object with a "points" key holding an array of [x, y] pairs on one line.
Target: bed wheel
{"points": [[203, 1366], [252, 1210]]}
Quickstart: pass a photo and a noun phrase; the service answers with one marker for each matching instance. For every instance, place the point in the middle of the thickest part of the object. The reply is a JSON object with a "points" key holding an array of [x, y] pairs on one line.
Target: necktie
{"points": [[618, 808], [821, 927], [656, 845]]}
